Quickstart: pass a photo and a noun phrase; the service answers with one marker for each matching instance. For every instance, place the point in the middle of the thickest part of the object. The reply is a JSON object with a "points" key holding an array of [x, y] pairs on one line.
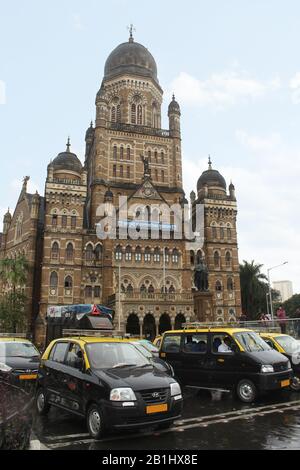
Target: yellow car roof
{"points": [[271, 335], [13, 338], [93, 339], [212, 330]]}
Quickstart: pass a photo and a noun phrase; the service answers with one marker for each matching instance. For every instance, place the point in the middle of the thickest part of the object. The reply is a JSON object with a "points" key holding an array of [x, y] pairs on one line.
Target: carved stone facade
{"points": [[148, 281]]}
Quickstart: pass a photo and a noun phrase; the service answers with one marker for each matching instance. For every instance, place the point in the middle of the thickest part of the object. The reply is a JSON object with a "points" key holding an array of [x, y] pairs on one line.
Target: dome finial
{"points": [[68, 144], [209, 163], [131, 29], [173, 97]]}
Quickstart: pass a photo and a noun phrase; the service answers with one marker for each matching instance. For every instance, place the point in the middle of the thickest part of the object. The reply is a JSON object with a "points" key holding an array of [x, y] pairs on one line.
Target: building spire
{"points": [[209, 163], [131, 29], [68, 144]]}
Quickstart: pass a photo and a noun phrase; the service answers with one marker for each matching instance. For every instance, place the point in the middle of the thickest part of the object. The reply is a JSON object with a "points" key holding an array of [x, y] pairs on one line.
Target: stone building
{"points": [[150, 280]]}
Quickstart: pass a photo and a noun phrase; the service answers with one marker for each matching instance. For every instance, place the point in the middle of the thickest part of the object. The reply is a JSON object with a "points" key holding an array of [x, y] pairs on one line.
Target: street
{"points": [[210, 420]]}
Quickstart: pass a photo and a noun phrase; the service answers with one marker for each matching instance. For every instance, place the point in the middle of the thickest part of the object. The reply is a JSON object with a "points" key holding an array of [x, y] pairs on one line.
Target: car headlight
{"points": [[4, 367], [122, 394], [267, 368], [175, 389]]}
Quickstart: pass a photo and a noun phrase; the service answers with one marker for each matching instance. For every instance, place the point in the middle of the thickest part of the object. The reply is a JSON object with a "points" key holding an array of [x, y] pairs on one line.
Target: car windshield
{"points": [[114, 355], [288, 343], [148, 345], [251, 341], [143, 350], [18, 349]]}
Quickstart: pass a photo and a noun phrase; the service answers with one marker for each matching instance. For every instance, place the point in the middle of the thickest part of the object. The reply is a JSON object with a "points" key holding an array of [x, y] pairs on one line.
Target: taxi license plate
{"points": [[28, 376], [156, 408], [285, 383]]}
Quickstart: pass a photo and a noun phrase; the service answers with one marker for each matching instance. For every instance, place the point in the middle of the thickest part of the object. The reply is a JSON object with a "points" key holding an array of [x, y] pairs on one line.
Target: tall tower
{"points": [[220, 250]]}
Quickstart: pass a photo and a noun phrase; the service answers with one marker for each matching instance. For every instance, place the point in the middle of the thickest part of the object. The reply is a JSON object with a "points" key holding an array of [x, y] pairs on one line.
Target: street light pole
{"points": [[270, 289]]}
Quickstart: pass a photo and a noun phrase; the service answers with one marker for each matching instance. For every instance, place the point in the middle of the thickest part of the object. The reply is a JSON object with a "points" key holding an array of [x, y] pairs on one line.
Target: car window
{"points": [[288, 343], [72, 355], [222, 343], [114, 355], [251, 341], [18, 349], [195, 343], [171, 343], [58, 352]]}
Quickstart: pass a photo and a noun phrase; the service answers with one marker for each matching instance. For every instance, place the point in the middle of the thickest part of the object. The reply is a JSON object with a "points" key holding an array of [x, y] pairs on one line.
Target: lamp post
{"points": [[270, 289]]}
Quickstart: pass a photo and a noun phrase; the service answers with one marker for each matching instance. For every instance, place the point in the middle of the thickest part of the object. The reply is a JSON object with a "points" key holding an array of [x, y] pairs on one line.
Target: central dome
{"points": [[132, 58]]}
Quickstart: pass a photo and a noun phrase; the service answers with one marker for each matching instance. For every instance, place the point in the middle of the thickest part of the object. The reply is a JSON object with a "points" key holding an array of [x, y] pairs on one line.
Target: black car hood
{"points": [[268, 357], [30, 363], [136, 378]]}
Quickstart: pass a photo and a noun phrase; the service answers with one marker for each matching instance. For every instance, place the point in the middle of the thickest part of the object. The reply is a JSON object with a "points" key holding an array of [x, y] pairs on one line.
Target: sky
{"points": [[232, 65]]}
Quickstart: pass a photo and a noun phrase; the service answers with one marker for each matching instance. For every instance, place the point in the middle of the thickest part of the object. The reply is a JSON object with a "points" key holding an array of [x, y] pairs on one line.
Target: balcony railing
{"points": [[118, 126], [159, 297]]}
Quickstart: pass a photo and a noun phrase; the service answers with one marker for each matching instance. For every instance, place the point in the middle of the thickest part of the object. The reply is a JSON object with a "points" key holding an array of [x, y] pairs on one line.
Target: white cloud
{"points": [[258, 143], [2, 92], [77, 22], [295, 87], [220, 90]]}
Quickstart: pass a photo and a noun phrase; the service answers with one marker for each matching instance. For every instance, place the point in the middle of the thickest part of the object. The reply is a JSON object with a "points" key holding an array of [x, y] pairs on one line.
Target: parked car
{"points": [[153, 355], [108, 381], [20, 358], [288, 346], [248, 367]]}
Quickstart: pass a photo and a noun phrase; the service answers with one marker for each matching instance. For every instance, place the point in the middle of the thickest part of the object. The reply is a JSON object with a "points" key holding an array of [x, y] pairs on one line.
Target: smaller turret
{"points": [[35, 206], [174, 118], [6, 221], [232, 192]]}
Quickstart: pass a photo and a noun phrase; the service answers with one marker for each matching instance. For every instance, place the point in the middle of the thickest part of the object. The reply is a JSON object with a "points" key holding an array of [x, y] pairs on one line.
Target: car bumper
{"points": [[275, 381], [119, 417]]}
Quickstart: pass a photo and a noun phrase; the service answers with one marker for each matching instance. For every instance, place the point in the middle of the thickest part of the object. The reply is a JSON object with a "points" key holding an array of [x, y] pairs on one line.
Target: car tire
{"points": [[42, 405], [246, 391], [95, 422], [295, 384]]}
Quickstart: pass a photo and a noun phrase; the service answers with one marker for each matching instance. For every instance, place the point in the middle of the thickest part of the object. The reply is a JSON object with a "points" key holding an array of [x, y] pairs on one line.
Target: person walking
{"points": [[282, 319]]}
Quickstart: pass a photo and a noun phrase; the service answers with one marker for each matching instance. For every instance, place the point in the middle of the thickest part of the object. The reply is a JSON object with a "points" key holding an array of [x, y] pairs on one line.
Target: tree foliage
{"points": [[291, 305], [13, 276]]}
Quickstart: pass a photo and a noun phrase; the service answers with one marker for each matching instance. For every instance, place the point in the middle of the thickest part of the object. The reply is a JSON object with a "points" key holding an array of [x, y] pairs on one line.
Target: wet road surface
{"points": [[210, 420]]}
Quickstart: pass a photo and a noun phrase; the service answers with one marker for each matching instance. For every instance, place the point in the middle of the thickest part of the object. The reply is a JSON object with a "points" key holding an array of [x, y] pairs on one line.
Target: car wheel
{"points": [[246, 391], [295, 384], [42, 405], [95, 421]]}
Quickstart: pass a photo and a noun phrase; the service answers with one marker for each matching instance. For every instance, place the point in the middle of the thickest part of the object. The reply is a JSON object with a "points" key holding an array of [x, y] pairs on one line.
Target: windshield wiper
{"points": [[118, 366]]}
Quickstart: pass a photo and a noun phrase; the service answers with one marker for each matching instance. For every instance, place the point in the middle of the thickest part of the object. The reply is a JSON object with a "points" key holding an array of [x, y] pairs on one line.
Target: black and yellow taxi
{"points": [[225, 359], [19, 360], [108, 381], [290, 347]]}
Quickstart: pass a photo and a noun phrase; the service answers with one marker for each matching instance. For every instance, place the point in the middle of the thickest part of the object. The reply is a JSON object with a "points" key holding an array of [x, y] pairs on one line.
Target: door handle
{"points": [[221, 360]]}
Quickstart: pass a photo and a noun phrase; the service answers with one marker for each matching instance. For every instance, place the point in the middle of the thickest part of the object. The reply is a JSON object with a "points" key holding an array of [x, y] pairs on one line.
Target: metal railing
{"points": [[137, 129]]}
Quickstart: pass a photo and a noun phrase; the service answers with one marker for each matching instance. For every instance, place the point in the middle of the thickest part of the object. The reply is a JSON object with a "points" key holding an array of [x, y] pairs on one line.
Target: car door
{"points": [[224, 366], [53, 371], [170, 351], [195, 356], [73, 382]]}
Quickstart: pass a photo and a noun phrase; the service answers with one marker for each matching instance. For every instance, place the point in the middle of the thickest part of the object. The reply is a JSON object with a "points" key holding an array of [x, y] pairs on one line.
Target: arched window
{"points": [[143, 289], [53, 280], [222, 233], [192, 257], [118, 253], [121, 171], [155, 156], [118, 113], [139, 115], [97, 292], [151, 289], [133, 113], [149, 155], [167, 255], [156, 256], [128, 172], [217, 259], [129, 289], [214, 231], [175, 256], [128, 253], [163, 176], [113, 114], [230, 284], [229, 233], [172, 289], [68, 282], [121, 152], [88, 292], [147, 255], [89, 253], [218, 286], [55, 251], [128, 153], [162, 156], [156, 174], [115, 152], [228, 259], [138, 254], [69, 252], [115, 170], [98, 253]]}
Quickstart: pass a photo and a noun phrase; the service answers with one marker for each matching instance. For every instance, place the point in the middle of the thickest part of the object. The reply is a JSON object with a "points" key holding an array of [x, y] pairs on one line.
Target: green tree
{"points": [[254, 288], [13, 274], [291, 305]]}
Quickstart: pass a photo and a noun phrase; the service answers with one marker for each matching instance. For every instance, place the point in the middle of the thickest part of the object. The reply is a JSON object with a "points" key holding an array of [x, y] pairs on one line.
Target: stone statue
{"points": [[201, 276], [147, 171]]}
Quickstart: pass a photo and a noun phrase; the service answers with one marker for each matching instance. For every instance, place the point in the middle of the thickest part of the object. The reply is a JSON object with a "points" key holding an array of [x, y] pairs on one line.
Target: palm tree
{"points": [[253, 288]]}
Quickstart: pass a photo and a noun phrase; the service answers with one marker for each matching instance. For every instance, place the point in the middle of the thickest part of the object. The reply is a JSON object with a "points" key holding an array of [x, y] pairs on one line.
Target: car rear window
{"points": [[171, 343], [18, 349]]}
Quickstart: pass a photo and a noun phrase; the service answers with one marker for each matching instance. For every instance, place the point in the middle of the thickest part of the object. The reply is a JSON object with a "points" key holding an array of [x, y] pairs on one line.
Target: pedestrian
{"points": [[282, 319]]}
